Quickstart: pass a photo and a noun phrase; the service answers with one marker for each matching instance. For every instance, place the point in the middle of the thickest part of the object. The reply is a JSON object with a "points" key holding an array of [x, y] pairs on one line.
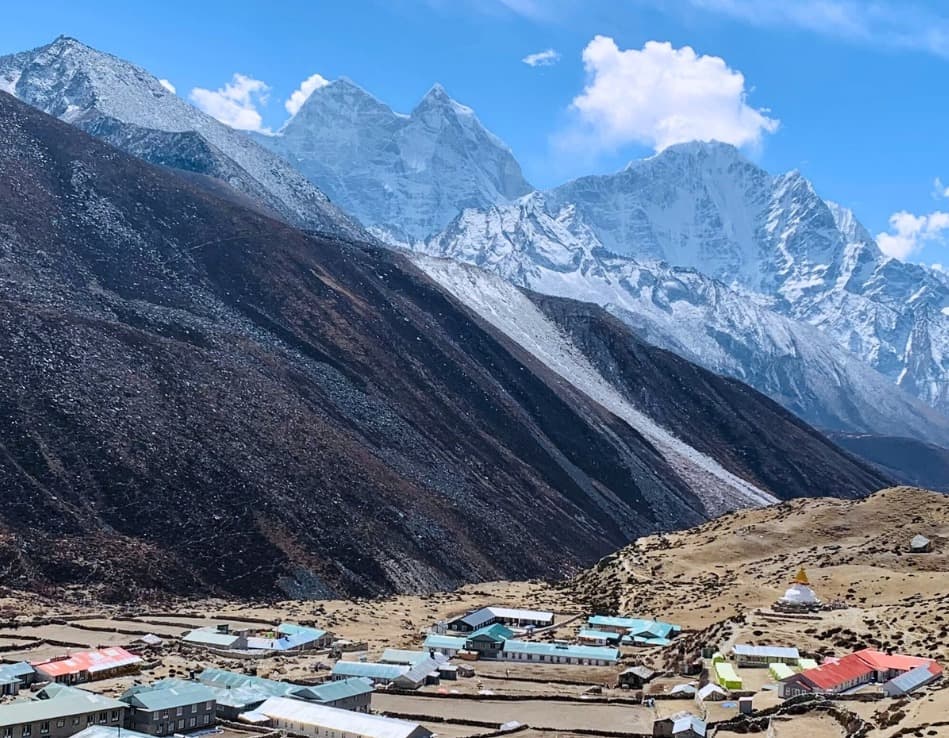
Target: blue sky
{"points": [[852, 93]]}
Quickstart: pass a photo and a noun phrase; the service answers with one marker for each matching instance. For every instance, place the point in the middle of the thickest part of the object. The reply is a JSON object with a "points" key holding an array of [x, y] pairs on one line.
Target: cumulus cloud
{"points": [[659, 96], [909, 233], [306, 88], [545, 58], [940, 189], [167, 85], [236, 103]]}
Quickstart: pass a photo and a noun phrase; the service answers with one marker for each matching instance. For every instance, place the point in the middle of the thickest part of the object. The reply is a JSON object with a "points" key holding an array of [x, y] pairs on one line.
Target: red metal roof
{"points": [[91, 661], [835, 672], [831, 674], [886, 662]]}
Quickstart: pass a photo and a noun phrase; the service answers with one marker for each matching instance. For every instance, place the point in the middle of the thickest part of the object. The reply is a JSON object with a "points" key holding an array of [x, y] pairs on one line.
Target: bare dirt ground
{"points": [[717, 581]]}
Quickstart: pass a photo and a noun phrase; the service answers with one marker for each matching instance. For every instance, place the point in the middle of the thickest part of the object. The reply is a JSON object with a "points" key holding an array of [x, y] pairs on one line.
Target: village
{"points": [[482, 667]]}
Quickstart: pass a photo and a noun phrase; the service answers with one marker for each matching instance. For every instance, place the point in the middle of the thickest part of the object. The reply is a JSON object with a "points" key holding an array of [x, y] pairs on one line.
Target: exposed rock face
{"points": [[199, 397], [729, 330], [404, 176], [129, 108]]}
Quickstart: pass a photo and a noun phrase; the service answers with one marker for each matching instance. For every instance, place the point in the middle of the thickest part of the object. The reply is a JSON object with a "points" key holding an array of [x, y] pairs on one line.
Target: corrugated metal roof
{"points": [[101, 659], [211, 638], [294, 629], [164, 697], [345, 721], [369, 669], [17, 670], [49, 704], [914, 679], [479, 617], [683, 721], [554, 649], [434, 640], [780, 671], [495, 631], [603, 635], [766, 652], [402, 656], [341, 689]]}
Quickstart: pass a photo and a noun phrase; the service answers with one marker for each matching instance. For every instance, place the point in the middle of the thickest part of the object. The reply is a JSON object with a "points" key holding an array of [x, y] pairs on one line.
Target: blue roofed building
{"points": [[444, 644], [15, 676]]}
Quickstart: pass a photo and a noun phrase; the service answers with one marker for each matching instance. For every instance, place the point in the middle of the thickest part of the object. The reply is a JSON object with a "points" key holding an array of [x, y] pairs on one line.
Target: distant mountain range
{"points": [[200, 397], [697, 248], [128, 107]]}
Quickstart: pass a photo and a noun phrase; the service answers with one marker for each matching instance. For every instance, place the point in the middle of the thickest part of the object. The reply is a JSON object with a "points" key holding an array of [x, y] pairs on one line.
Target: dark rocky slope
{"points": [[199, 398], [722, 417], [904, 459]]}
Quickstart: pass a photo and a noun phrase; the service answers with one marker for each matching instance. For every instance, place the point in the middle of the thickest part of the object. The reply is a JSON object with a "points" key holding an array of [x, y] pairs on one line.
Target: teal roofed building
{"points": [[444, 644], [555, 653], [638, 631], [591, 637], [164, 709]]}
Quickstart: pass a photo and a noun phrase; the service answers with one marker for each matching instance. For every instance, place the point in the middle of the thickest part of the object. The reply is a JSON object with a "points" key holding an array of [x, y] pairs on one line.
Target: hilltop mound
{"points": [[854, 551]]}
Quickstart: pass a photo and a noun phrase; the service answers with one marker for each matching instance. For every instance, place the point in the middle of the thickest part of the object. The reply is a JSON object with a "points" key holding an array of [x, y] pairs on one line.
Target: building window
{"points": [[44, 728], [90, 719], [179, 712], [208, 705], [103, 718], [8, 732], [192, 722], [26, 730], [60, 723], [194, 708], [115, 716], [75, 720]]}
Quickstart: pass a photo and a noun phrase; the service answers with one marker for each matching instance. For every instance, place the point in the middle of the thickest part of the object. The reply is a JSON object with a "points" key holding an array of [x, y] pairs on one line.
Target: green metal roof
{"points": [[167, 698], [57, 703], [496, 632]]}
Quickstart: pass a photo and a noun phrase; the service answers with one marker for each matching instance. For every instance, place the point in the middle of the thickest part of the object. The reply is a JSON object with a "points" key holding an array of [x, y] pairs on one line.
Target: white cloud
{"points": [[659, 95], [545, 58], [306, 88], [940, 189], [167, 85], [899, 24], [909, 233], [236, 103]]}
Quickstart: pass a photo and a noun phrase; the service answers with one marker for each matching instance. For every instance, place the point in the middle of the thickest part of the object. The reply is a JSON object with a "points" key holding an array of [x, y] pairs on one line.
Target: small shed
{"points": [[746, 705], [680, 725], [683, 691], [635, 677], [920, 544], [711, 693]]}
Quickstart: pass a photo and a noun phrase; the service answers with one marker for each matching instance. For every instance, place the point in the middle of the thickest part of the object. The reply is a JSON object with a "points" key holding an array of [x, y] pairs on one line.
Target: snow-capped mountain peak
{"points": [[124, 104], [405, 176], [765, 258]]}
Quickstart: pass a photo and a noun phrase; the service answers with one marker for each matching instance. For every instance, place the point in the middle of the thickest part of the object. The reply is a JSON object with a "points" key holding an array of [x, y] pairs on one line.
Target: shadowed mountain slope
{"points": [[200, 398]]}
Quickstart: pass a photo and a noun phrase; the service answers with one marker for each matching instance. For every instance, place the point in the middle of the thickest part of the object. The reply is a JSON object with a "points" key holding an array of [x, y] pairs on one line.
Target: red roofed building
{"points": [[840, 675], [87, 666]]}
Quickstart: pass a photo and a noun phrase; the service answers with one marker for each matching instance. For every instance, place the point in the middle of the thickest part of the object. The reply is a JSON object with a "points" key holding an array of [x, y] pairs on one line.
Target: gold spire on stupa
{"points": [[801, 577]]}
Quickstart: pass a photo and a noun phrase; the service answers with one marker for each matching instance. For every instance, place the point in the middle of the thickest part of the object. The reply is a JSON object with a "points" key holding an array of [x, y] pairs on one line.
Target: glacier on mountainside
{"points": [[733, 332]]}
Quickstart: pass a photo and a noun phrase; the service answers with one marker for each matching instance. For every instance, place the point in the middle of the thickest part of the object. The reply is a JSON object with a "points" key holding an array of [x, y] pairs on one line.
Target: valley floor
{"points": [[717, 581]]}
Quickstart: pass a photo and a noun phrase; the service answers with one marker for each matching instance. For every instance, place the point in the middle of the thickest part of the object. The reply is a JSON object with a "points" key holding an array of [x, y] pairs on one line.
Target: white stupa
{"points": [[799, 596]]}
